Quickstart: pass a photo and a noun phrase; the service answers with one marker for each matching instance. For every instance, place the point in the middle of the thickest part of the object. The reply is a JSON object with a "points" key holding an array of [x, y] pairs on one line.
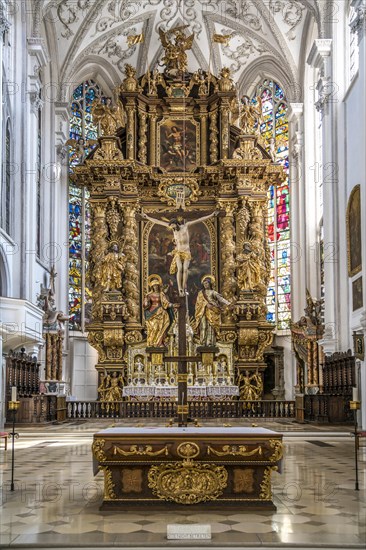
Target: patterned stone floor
{"points": [[56, 498]]}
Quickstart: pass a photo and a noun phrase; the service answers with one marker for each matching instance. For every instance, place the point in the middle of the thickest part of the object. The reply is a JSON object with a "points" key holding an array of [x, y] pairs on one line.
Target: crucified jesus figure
{"points": [[182, 253]]}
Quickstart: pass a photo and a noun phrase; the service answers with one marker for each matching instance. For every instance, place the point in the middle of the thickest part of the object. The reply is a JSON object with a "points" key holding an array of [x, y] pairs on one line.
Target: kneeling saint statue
{"points": [[208, 311]]}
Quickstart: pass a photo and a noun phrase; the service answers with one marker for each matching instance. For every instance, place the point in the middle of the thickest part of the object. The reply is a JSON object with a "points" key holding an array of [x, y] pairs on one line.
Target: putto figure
{"points": [[208, 312], [182, 253], [159, 313]]}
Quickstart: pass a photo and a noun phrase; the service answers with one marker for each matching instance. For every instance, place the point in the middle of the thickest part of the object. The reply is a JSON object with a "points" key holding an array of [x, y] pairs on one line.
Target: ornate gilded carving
{"points": [[175, 58], [227, 256], [225, 83], [109, 493], [250, 386], [214, 151], [265, 487], [277, 447], [109, 150], [251, 116], [98, 449], [234, 450], [108, 116], [131, 281], [140, 450], [95, 339], [170, 187], [187, 483], [188, 450], [142, 154], [129, 83]]}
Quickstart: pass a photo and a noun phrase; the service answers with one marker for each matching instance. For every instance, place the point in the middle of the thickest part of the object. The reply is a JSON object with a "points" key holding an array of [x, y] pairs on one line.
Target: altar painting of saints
{"points": [[178, 143], [158, 311], [160, 248]]}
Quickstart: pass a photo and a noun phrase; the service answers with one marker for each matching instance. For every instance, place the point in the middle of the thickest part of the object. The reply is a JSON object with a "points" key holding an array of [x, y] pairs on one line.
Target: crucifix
{"points": [[180, 265]]}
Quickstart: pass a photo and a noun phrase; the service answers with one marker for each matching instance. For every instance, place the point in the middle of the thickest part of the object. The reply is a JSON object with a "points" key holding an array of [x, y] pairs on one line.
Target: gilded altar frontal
{"points": [[178, 187]]}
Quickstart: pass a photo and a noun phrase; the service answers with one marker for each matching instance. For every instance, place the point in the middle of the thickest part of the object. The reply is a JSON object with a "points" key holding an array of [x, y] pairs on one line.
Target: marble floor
{"points": [[56, 498]]}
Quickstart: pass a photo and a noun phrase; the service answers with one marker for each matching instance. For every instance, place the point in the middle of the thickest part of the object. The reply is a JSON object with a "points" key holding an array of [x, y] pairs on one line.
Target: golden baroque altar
{"points": [[187, 466], [178, 146]]}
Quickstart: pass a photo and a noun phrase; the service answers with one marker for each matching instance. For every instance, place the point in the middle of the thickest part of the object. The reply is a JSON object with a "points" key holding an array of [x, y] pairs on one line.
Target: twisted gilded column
{"points": [[152, 151], [130, 130], [131, 280], [97, 254], [227, 246], [214, 155], [142, 154], [225, 112]]}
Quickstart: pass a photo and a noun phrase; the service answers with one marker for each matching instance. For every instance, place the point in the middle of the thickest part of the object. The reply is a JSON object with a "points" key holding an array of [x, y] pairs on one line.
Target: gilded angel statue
{"points": [[175, 58], [251, 115], [109, 116], [81, 147]]}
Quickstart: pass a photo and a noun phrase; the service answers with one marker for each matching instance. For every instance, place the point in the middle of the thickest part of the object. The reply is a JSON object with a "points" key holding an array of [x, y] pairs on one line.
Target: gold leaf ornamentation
{"points": [[266, 490], [140, 450], [109, 486], [234, 450], [98, 449], [187, 483], [277, 450]]}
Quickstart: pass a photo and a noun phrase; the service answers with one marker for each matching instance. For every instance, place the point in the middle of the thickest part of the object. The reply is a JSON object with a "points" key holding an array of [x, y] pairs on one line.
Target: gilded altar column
{"points": [[203, 115], [225, 112], [131, 280], [142, 151], [214, 154], [152, 116], [227, 246], [130, 130], [97, 254]]}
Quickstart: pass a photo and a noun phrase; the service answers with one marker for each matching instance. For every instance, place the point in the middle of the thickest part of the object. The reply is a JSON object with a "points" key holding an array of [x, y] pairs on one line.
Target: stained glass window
{"points": [[274, 132], [81, 128]]}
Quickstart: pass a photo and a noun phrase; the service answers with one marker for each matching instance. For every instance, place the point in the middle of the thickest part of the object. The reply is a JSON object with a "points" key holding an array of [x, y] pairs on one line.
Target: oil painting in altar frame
{"points": [[353, 222], [159, 243], [178, 144]]}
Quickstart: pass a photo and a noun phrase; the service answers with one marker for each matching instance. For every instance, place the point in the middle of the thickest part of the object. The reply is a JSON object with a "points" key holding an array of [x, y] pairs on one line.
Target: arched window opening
{"points": [[274, 133], [82, 129]]}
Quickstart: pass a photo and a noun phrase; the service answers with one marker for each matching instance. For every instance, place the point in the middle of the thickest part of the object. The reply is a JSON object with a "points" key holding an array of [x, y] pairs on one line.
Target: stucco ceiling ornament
{"points": [[178, 9], [246, 12], [68, 13], [117, 11], [291, 12], [115, 47], [243, 51]]}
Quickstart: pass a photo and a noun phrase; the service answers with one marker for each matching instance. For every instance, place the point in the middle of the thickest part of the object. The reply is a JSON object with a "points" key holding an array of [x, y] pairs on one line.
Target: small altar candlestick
{"points": [[354, 394], [13, 393]]}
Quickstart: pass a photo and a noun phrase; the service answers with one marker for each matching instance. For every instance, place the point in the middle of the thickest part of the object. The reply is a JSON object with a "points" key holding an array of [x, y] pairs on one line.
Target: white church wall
{"points": [[355, 147], [83, 359]]}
